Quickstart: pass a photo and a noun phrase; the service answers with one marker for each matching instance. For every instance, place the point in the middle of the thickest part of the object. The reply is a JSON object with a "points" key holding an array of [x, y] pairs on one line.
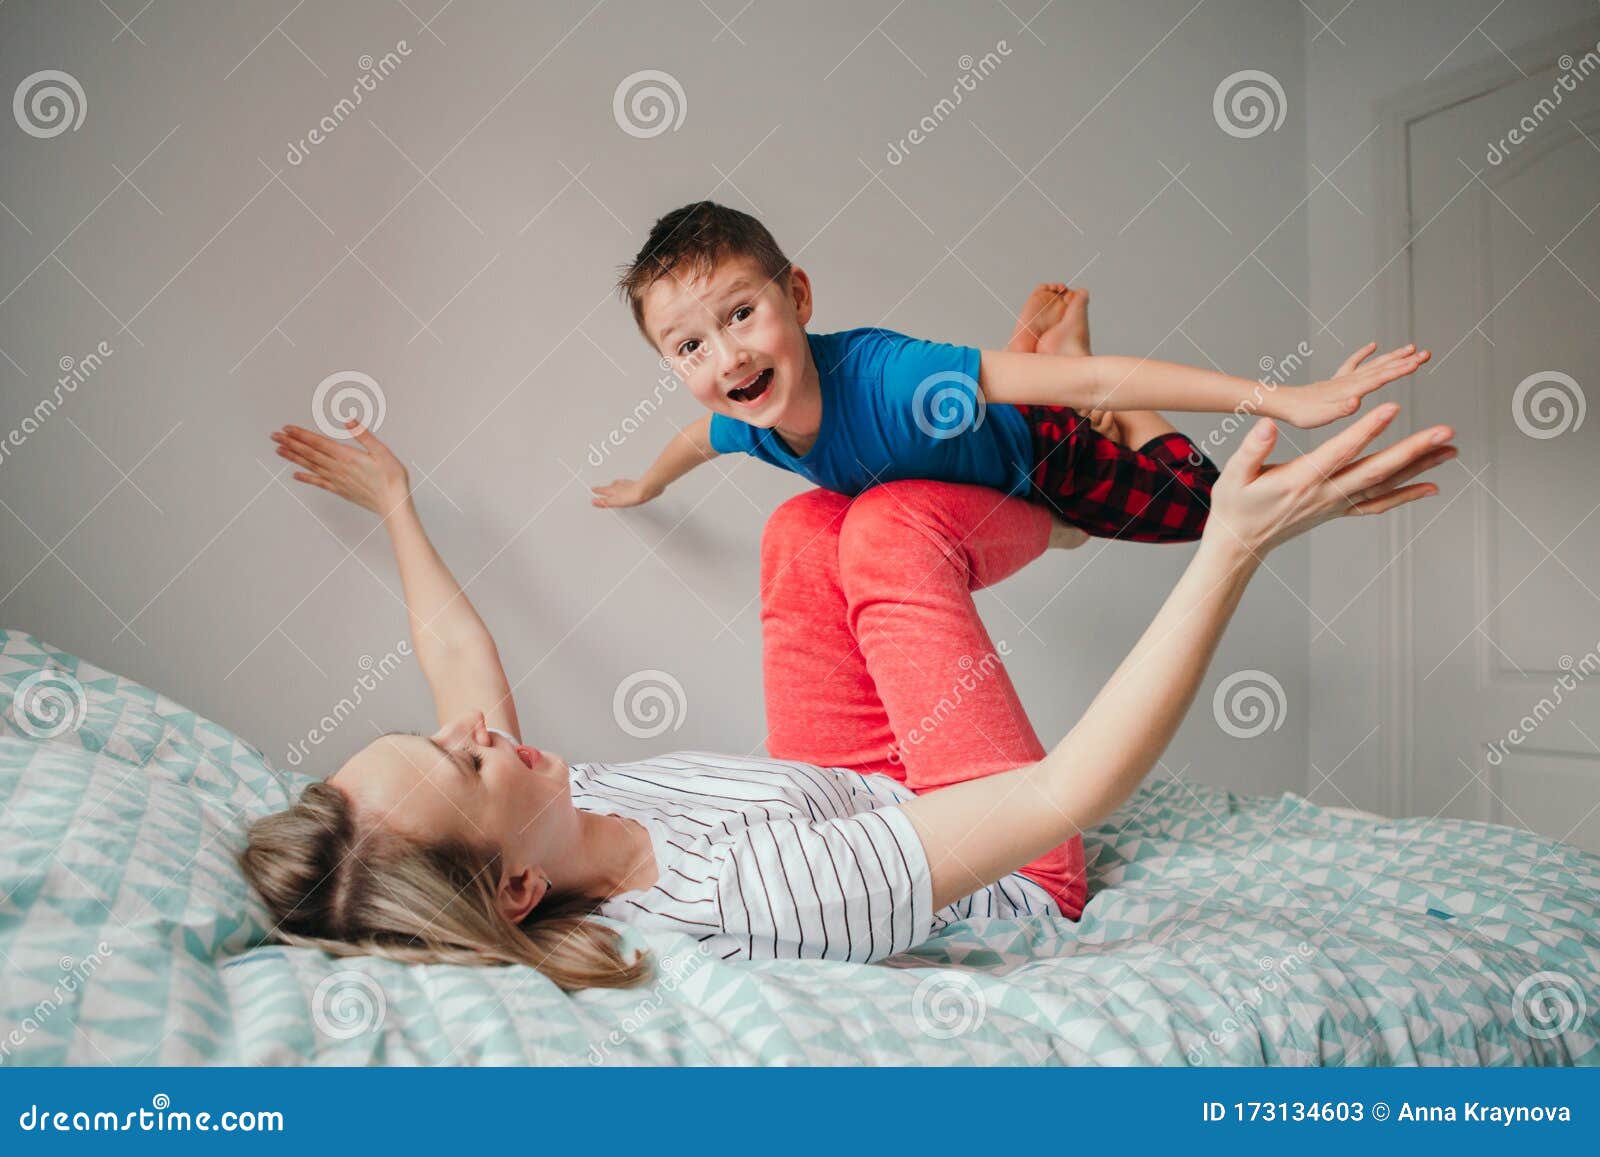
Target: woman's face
{"points": [[465, 782]]}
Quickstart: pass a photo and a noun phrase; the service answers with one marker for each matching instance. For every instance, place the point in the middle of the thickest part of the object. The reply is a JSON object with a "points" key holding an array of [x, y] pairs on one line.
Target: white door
{"points": [[1504, 582]]}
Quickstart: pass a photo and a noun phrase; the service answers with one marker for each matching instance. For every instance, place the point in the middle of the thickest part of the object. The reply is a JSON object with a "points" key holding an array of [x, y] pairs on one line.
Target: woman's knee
{"points": [[798, 520], [802, 529], [979, 535], [896, 524]]}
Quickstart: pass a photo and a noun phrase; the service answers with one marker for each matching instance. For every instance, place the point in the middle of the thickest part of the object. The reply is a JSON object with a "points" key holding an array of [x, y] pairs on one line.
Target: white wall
{"points": [[220, 274], [1369, 56]]}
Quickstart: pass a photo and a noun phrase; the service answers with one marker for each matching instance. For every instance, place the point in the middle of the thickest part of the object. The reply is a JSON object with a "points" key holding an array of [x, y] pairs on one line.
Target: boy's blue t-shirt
{"points": [[895, 407]]}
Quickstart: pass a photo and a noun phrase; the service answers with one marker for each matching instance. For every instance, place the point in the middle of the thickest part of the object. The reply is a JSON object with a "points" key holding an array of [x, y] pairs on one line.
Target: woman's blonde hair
{"points": [[349, 892]]}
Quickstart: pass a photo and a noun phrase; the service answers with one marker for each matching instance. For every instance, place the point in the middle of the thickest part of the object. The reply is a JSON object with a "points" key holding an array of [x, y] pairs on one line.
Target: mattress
{"points": [[1221, 929]]}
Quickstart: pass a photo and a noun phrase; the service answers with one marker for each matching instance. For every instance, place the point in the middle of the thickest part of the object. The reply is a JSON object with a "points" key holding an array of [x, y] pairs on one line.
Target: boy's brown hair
{"points": [[697, 236]]}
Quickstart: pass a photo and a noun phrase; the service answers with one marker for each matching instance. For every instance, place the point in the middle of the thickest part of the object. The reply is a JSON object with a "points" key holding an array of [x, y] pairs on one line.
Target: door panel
{"points": [[1505, 606]]}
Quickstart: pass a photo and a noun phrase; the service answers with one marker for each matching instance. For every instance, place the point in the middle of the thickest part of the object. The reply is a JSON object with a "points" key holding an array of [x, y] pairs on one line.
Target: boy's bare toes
{"points": [[1043, 309]]}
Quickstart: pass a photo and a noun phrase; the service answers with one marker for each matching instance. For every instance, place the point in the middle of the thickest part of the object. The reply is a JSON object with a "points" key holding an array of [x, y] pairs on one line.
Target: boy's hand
{"points": [[371, 477], [624, 492], [1340, 396], [1105, 423]]}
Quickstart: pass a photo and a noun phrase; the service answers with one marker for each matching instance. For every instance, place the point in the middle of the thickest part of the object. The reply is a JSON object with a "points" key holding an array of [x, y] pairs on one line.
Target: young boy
{"points": [[714, 294]]}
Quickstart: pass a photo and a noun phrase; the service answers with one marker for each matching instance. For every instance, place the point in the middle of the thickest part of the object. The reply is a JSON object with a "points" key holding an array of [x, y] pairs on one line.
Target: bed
{"points": [[1221, 929]]}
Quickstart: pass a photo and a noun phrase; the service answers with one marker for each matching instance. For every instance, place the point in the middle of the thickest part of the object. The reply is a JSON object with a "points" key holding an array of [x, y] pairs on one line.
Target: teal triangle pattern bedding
{"points": [[1221, 929]]}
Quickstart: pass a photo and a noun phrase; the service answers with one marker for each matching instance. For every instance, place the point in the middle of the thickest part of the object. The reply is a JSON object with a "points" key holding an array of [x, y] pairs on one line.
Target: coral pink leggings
{"points": [[875, 658]]}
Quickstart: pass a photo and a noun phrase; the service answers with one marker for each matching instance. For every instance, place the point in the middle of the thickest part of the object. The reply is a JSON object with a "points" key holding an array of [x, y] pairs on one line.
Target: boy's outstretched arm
{"points": [[1124, 383], [689, 447]]}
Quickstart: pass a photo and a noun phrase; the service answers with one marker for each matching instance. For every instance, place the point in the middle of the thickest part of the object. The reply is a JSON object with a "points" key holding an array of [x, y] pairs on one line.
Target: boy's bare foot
{"points": [[1070, 335], [1043, 310], [1065, 536]]}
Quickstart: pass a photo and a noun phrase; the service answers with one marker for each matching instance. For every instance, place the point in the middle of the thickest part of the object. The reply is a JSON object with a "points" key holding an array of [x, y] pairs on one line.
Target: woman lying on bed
{"points": [[469, 846]]}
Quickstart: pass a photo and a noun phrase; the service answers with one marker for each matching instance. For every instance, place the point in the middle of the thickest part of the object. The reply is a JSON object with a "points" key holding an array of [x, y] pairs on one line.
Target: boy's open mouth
{"points": [[744, 395]]}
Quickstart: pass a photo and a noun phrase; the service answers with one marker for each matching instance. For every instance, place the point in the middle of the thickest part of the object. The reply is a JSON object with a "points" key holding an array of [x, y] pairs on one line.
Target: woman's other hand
{"points": [[371, 477], [1256, 507]]}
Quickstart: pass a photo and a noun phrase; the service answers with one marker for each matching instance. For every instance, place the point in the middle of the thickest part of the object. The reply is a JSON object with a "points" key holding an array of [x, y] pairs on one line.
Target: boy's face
{"points": [[735, 337]]}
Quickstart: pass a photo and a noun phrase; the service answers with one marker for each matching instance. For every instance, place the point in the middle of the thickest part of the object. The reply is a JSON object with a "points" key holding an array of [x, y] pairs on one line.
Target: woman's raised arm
{"points": [[454, 648], [978, 831]]}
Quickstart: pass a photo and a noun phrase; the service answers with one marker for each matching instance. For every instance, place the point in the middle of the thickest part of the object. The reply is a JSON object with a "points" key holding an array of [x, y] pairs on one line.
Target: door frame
{"points": [[1395, 290]]}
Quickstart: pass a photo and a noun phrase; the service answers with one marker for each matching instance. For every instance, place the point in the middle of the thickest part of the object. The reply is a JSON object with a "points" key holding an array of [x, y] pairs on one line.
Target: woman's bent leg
{"points": [[822, 706], [910, 555]]}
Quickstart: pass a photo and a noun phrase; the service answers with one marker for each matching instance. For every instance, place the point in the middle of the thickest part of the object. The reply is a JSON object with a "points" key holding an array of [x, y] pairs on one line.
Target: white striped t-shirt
{"points": [[768, 858]]}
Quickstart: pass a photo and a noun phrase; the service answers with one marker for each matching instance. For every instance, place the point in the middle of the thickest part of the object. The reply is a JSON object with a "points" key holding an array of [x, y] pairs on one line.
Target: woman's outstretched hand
{"points": [[371, 477], [1257, 507]]}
